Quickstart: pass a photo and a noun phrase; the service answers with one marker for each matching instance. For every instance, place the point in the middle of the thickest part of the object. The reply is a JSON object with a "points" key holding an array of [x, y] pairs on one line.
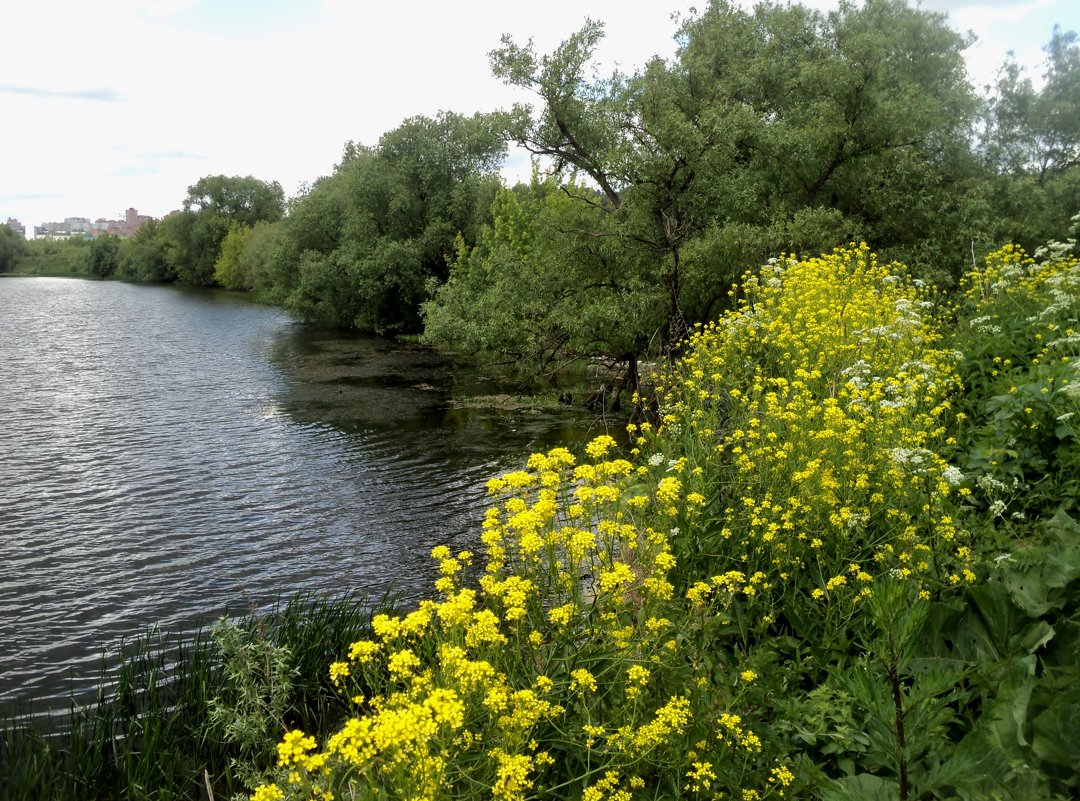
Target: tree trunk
{"points": [[677, 328], [631, 380]]}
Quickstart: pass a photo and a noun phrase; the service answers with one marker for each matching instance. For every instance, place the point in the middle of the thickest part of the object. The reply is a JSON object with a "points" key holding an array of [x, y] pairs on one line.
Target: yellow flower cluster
{"points": [[820, 404], [575, 599], [607, 789]]}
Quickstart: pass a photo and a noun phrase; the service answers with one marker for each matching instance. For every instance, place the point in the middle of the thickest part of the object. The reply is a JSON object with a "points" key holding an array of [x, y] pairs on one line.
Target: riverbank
{"points": [[155, 727], [800, 582], [842, 563]]}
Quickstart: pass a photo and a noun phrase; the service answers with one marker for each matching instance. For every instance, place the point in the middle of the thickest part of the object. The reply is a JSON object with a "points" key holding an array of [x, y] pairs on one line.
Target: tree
{"points": [[13, 248], [1031, 146], [777, 129], [240, 200], [360, 246], [1037, 132], [103, 257], [144, 257], [214, 204], [244, 253], [534, 294], [55, 257]]}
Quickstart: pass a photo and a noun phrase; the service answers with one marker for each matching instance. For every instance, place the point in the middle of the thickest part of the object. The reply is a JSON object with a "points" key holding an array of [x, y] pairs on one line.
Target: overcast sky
{"points": [[117, 103]]}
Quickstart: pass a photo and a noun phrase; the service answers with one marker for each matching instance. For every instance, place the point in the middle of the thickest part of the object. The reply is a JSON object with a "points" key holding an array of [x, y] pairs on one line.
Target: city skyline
{"points": [[69, 226]]}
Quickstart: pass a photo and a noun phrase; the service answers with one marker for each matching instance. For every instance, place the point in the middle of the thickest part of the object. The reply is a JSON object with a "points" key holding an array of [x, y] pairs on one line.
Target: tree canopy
{"points": [[13, 248], [771, 130], [358, 249]]}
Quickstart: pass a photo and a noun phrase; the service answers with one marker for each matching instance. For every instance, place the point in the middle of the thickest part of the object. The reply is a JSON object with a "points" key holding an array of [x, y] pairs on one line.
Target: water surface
{"points": [[167, 454]]}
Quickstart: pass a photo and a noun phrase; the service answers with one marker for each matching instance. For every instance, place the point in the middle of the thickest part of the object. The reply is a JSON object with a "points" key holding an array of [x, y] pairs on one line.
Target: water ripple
{"points": [[169, 454]]}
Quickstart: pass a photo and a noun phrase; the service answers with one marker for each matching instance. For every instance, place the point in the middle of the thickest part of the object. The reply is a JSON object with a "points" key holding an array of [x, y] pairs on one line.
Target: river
{"points": [[168, 454]]}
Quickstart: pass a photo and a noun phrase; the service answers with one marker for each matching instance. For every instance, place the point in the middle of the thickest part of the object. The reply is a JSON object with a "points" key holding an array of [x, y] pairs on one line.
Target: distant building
{"points": [[126, 227], [102, 226], [133, 221], [77, 225], [16, 226], [72, 226], [81, 226]]}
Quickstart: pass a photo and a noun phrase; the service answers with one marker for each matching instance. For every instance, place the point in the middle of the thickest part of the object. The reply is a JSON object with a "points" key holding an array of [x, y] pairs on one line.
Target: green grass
{"points": [[148, 733]]}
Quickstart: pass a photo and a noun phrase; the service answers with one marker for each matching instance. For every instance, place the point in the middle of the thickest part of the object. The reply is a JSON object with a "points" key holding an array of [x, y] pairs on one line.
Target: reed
{"points": [[148, 733]]}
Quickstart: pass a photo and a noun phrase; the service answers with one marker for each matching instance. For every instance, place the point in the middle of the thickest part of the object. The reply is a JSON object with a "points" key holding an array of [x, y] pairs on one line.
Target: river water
{"points": [[167, 454]]}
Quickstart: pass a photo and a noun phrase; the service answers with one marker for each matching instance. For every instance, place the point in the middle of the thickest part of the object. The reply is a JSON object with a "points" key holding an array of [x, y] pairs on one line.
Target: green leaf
{"points": [[962, 763], [1040, 572], [863, 787], [1056, 735]]}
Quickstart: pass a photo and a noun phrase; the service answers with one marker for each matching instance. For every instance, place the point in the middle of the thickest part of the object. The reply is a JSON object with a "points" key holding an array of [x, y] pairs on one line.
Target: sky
{"points": [[117, 103]]}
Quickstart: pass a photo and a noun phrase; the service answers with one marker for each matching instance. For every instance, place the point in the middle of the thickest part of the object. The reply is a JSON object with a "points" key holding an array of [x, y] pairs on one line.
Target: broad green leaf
{"points": [[863, 787], [1056, 735]]}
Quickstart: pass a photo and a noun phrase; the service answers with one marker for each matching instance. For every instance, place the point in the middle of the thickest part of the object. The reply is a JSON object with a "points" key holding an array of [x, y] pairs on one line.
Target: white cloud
{"points": [[274, 89]]}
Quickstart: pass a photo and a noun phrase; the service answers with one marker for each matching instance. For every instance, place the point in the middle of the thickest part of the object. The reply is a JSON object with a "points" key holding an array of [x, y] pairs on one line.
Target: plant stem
{"points": [[892, 669]]}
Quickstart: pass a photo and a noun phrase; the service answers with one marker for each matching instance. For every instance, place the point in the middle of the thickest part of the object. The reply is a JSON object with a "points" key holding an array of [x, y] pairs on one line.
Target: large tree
{"points": [[1037, 131], [1031, 145], [214, 204], [358, 249], [243, 254], [144, 257], [777, 129], [13, 248], [535, 293], [103, 257]]}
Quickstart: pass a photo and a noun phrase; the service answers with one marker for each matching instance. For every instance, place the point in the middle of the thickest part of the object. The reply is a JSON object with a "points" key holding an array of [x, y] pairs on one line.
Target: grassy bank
{"points": [[163, 725]]}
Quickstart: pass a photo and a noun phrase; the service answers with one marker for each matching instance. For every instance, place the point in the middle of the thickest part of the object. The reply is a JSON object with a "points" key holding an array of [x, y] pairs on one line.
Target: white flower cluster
{"points": [[916, 460], [953, 476]]}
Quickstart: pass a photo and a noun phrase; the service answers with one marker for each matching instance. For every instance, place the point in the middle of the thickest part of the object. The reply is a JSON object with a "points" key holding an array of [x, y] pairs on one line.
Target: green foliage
{"points": [[244, 253], [788, 558], [68, 257], [144, 257], [777, 129], [359, 248], [1018, 331], [244, 201], [1015, 641], [214, 205], [1031, 144], [152, 733], [13, 248], [1037, 131], [536, 293], [103, 258], [143, 737], [258, 681]]}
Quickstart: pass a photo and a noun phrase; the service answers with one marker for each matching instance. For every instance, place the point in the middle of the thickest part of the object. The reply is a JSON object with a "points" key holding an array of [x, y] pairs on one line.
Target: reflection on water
{"points": [[167, 454]]}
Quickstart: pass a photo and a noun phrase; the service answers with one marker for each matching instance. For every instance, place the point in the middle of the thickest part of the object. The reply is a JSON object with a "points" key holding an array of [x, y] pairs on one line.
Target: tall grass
{"points": [[148, 734]]}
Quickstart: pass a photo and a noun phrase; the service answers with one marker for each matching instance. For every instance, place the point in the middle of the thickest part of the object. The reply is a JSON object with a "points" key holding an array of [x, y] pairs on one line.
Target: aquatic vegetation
{"points": [[152, 732]]}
